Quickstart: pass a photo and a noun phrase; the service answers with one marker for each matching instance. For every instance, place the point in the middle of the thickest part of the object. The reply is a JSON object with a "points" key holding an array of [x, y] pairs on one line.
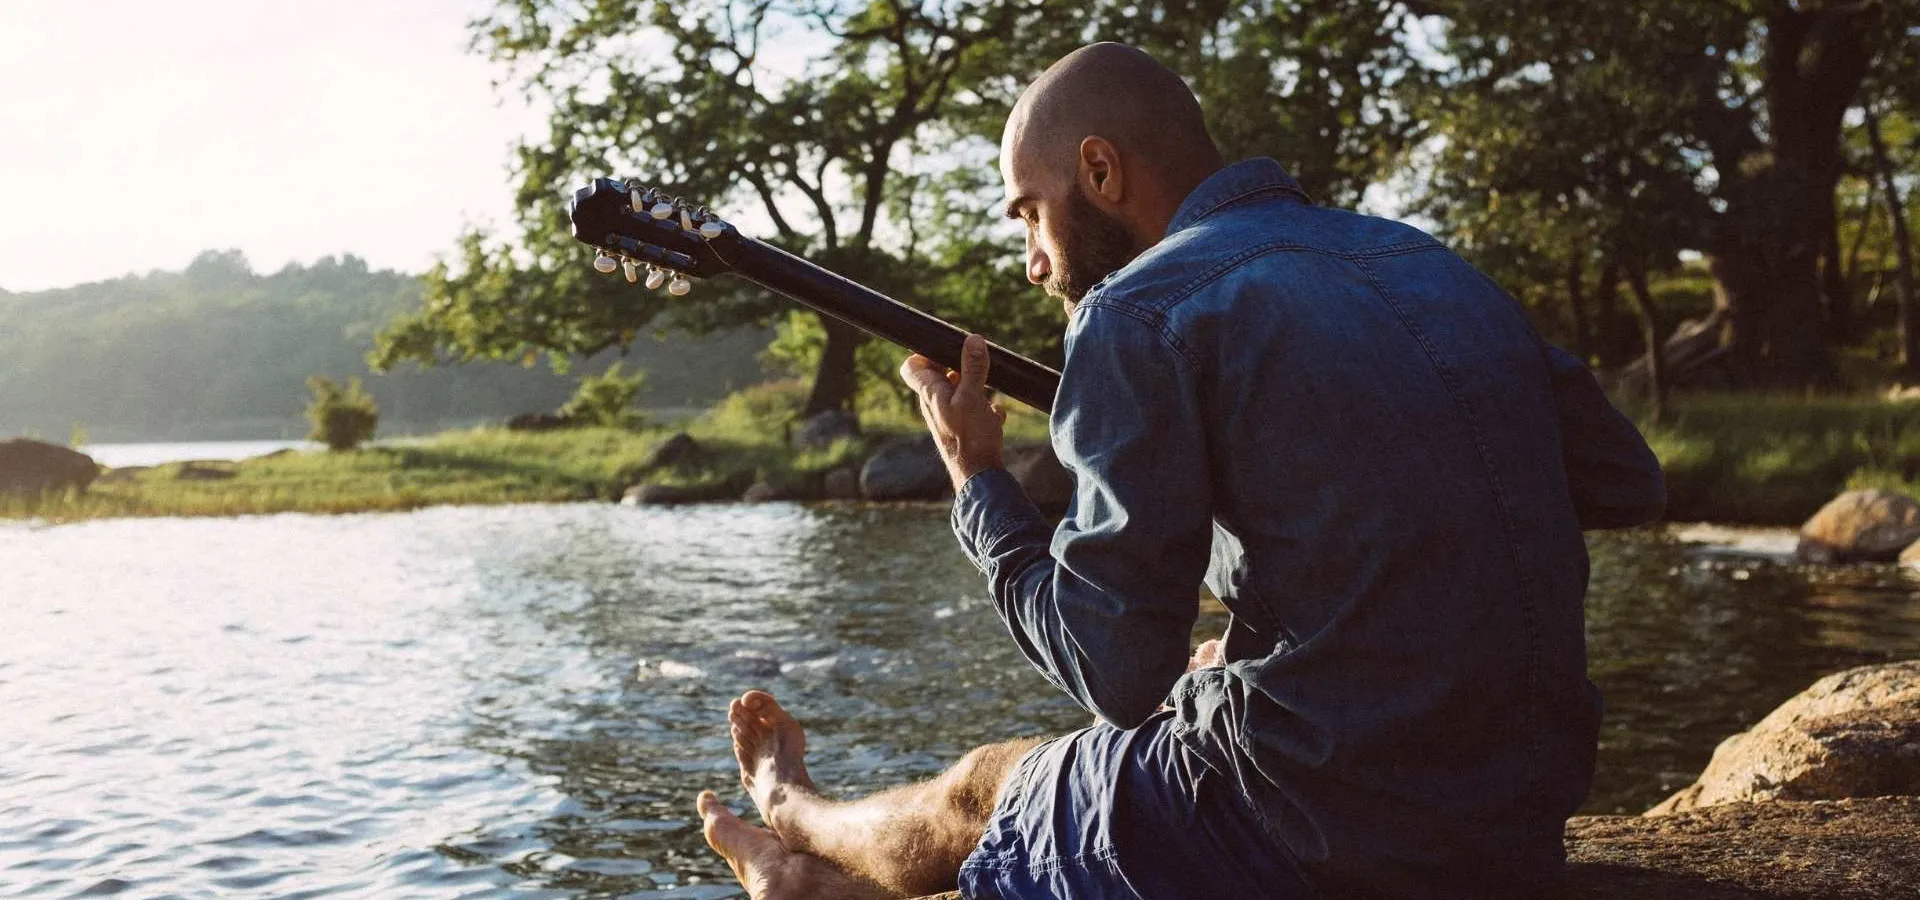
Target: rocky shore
{"points": [[1820, 800]]}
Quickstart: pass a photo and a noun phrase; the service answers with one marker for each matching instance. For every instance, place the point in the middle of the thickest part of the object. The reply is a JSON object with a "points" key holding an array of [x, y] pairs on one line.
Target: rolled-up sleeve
{"points": [[1103, 604], [1613, 476]]}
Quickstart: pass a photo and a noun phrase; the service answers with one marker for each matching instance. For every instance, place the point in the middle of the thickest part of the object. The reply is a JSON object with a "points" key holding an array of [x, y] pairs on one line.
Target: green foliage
{"points": [[866, 143], [484, 465], [606, 400], [217, 352], [341, 419], [1774, 460]]}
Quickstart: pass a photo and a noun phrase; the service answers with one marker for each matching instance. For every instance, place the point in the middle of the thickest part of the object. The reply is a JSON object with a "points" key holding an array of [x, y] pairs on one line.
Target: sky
{"points": [[133, 136]]}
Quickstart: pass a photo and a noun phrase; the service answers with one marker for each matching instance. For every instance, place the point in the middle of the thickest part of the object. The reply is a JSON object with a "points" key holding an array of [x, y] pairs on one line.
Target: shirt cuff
{"points": [[990, 506]]}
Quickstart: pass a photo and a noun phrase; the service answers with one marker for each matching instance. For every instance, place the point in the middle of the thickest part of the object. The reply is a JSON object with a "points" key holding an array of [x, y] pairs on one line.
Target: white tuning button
{"points": [[679, 286], [711, 229], [655, 278], [686, 220], [661, 210], [639, 199], [605, 264], [633, 270]]}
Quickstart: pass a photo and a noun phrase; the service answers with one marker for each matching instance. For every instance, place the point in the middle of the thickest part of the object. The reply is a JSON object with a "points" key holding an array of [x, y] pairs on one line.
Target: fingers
{"points": [[924, 375], [973, 364]]}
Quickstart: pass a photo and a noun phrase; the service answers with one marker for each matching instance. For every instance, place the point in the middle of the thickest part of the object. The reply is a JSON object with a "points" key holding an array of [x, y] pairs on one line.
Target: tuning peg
{"points": [[632, 269], [679, 286], [656, 277], [686, 220], [605, 264], [711, 229], [661, 210], [639, 198]]}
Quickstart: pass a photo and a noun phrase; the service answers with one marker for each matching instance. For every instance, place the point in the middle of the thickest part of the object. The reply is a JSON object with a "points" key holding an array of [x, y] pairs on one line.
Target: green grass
{"points": [[1774, 460], [479, 466], [1747, 459], [743, 440]]}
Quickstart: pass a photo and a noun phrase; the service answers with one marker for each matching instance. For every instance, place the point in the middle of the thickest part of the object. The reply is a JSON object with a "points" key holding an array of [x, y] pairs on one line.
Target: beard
{"points": [[1095, 245]]}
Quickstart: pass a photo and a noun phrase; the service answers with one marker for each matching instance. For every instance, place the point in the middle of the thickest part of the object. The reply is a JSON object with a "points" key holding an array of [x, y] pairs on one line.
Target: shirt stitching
{"points": [[1528, 614]]}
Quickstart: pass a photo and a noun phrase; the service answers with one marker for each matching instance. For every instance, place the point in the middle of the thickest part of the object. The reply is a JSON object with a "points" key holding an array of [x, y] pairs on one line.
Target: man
{"points": [[1362, 447]]}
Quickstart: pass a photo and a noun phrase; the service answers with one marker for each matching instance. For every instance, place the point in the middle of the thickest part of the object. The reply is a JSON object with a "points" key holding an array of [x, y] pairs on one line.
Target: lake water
{"points": [[153, 454], [522, 701]]}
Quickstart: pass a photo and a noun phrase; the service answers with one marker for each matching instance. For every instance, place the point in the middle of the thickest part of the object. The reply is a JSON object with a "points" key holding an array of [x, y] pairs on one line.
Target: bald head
{"points": [[1097, 156], [1118, 93]]}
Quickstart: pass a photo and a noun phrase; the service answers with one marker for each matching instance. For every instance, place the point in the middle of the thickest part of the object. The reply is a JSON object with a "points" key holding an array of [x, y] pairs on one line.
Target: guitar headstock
{"points": [[639, 228]]}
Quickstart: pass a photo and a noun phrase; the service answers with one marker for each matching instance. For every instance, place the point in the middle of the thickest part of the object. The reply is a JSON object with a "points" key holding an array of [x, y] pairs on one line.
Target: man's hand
{"points": [[1207, 655], [966, 427]]}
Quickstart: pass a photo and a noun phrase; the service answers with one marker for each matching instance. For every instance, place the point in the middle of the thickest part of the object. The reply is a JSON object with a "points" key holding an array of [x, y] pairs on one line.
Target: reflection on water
{"points": [[523, 700]]}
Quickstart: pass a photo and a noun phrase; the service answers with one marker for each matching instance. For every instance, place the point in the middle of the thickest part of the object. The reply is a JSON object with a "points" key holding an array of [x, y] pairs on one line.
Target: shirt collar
{"points": [[1260, 176]]}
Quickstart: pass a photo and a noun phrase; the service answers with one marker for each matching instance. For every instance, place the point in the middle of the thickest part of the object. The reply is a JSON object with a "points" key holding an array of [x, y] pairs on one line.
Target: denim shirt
{"points": [[1374, 461]]}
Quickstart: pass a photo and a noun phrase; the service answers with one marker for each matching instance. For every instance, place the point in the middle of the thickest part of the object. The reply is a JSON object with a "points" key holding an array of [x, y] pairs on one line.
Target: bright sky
{"points": [[134, 135]]}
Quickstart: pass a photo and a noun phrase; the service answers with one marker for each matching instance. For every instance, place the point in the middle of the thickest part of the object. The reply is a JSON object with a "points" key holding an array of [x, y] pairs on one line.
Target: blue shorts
{"points": [[1108, 813]]}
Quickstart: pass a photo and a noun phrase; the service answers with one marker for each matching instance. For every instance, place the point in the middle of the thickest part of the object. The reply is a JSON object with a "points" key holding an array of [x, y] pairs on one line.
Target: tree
{"points": [[341, 419], [858, 134], [1745, 99], [605, 400]]}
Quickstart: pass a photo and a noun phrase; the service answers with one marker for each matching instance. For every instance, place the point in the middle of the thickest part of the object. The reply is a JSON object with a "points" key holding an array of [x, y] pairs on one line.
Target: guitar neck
{"points": [[882, 316]]}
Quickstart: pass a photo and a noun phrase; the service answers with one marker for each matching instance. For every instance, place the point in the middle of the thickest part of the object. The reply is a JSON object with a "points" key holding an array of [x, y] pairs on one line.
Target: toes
{"points": [[769, 710], [728, 834]]}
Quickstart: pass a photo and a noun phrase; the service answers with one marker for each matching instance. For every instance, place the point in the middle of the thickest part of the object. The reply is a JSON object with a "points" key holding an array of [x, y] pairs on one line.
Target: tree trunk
{"points": [[836, 378], [1650, 339], [1614, 344], [1778, 225], [1860, 233], [1835, 296], [1903, 248], [1577, 305]]}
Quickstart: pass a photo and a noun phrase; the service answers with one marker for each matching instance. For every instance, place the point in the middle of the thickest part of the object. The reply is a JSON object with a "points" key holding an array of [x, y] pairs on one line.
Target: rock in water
{"points": [[1852, 734], [841, 484], [906, 470], [33, 467], [678, 451], [761, 492], [823, 429], [1047, 483], [1860, 526], [676, 494]]}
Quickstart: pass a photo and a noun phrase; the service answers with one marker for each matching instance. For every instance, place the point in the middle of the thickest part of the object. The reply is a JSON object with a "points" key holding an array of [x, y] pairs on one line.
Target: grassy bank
{"points": [[1762, 460], [742, 441], [1729, 458]]}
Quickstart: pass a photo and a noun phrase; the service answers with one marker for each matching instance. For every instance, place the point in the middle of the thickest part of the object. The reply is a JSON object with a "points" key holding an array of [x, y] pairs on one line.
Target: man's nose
{"points": [[1038, 266]]}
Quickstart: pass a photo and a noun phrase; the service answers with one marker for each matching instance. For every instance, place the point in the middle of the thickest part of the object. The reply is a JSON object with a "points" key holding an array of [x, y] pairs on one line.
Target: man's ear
{"points": [[1100, 172]]}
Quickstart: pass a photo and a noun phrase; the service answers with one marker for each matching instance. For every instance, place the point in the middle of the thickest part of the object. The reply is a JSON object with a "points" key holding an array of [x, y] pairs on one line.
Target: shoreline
{"points": [[1735, 462]]}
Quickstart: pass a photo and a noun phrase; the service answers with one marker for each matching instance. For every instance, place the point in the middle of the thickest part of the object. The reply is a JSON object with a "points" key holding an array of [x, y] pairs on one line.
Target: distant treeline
{"points": [[220, 352]]}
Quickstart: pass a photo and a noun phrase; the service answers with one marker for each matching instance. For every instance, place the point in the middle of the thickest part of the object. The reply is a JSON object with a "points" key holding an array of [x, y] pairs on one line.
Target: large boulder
{"points": [[908, 469], [823, 429], [1852, 734], [1834, 850], [34, 467], [1047, 483], [1860, 526]]}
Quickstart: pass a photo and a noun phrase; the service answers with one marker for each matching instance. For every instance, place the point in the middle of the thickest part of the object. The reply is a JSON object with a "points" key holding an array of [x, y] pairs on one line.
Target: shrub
{"points": [[341, 419], [606, 399]]}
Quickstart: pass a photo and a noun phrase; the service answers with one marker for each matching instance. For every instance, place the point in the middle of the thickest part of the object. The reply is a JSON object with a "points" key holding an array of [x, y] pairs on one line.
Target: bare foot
{"points": [[765, 868], [771, 749]]}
